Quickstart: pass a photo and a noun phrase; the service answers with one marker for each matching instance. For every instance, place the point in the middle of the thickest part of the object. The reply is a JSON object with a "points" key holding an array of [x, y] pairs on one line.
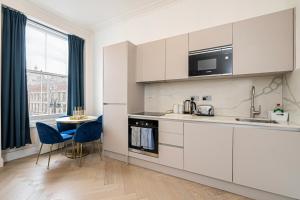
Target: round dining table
{"points": [[69, 120], [78, 122]]}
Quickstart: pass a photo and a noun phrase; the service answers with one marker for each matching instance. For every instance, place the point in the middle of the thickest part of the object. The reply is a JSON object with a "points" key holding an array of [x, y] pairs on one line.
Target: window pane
{"points": [[35, 48], [57, 55], [55, 91], [34, 92]]}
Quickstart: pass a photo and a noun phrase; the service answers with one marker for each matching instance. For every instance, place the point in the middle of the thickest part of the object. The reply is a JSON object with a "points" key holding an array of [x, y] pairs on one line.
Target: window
{"points": [[47, 71]]}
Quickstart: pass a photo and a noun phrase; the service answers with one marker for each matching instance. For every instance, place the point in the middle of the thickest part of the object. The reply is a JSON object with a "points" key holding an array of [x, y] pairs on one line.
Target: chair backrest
{"points": [[88, 132], [48, 134], [64, 126]]}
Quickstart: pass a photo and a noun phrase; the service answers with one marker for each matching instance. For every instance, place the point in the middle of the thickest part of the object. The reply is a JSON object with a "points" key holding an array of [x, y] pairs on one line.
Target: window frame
{"points": [[46, 30]]}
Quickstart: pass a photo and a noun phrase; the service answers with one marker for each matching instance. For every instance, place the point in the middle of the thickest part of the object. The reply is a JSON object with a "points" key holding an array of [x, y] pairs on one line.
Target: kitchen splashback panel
{"points": [[230, 96], [291, 95]]}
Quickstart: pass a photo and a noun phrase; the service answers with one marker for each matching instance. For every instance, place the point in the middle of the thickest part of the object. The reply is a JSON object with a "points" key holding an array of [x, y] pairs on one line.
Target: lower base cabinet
{"points": [[171, 156], [268, 160], [208, 150]]}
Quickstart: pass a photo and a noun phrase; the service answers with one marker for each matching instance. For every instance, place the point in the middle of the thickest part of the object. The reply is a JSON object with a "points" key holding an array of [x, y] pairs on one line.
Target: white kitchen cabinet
{"points": [[264, 44], [115, 128], [177, 57], [171, 156], [211, 37], [151, 61], [208, 149], [115, 73], [121, 95], [267, 160], [171, 126], [171, 133]]}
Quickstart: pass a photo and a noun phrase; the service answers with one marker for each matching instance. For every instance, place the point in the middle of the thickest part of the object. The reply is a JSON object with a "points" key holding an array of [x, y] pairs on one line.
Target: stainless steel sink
{"points": [[256, 120]]}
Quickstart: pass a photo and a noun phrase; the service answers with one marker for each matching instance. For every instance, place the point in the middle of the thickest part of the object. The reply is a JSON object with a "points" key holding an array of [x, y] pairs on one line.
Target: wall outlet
{"points": [[196, 98], [206, 98]]}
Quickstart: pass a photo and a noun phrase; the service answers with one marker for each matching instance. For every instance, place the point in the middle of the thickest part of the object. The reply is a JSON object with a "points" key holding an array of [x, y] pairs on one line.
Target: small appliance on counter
{"points": [[205, 110], [189, 106]]}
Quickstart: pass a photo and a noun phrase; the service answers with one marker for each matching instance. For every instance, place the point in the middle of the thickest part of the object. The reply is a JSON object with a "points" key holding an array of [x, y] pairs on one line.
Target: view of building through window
{"points": [[47, 69]]}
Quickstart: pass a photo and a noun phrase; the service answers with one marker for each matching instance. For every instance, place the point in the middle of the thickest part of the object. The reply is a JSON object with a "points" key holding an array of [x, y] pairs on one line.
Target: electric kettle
{"points": [[189, 106]]}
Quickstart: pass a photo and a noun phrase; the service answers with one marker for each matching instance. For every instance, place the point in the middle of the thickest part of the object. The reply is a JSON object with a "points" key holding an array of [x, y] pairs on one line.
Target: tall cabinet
{"points": [[121, 95]]}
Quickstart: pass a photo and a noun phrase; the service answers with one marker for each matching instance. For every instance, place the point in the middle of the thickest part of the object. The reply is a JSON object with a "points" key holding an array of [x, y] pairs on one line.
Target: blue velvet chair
{"points": [[88, 132], [66, 128], [99, 119], [49, 135]]}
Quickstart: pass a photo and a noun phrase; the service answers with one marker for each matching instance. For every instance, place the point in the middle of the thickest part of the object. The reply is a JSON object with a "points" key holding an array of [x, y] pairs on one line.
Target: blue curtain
{"points": [[14, 101], [76, 70]]}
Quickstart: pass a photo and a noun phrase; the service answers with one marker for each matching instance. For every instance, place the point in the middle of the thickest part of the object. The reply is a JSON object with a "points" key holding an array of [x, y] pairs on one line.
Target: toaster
{"points": [[205, 110]]}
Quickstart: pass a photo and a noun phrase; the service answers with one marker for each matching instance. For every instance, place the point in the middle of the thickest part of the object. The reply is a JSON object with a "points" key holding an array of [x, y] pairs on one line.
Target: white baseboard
{"points": [[223, 185], [14, 154], [1, 162]]}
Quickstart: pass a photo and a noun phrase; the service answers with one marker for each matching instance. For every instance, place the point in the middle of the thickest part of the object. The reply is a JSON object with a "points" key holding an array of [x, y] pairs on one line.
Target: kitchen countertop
{"points": [[219, 119]]}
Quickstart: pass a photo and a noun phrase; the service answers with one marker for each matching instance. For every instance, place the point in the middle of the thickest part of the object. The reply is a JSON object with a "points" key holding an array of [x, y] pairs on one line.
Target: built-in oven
{"points": [[143, 136], [213, 61]]}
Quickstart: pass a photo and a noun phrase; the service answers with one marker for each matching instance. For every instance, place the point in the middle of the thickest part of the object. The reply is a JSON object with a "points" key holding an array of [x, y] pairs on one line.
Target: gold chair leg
{"points": [[65, 146], [99, 148], [73, 149], [80, 155], [49, 155], [37, 159]]}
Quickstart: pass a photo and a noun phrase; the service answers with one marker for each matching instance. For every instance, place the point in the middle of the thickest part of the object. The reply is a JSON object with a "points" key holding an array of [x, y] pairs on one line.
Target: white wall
{"points": [[180, 17], [38, 14]]}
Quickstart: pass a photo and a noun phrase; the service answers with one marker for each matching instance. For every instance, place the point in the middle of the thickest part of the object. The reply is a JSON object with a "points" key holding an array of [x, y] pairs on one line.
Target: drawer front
{"points": [[171, 126], [171, 138], [171, 156]]}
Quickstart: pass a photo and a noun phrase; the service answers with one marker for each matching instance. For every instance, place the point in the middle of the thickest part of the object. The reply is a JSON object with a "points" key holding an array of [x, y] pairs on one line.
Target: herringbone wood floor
{"points": [[108, 179]]}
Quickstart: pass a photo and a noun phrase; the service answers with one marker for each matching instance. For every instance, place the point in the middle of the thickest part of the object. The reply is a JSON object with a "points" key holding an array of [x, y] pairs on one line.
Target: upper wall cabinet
{"points": [[177, 57], [264, 44], [212, 37], [151, 61]]}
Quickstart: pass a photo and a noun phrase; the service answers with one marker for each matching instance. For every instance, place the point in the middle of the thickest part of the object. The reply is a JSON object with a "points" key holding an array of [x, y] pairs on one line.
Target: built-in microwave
{"points": [[213, 61]]}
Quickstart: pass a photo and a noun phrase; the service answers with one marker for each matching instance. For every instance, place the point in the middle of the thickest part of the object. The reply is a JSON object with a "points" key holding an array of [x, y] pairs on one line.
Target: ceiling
{"points": [[96, 13]]}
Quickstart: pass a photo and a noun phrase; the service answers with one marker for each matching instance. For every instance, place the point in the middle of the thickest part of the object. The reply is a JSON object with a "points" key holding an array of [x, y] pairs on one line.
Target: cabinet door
{"points": [[152, 59], [267, 160], [139, 63], [208, 150], [171, 156], [212, 37], [264, 44], [171, 133], [115, 128], [115, 73], [177, 57]]}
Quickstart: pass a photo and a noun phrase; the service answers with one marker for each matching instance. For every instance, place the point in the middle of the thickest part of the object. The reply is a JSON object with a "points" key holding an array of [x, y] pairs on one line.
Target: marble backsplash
{"points": [[230, 96], [291, 95]]}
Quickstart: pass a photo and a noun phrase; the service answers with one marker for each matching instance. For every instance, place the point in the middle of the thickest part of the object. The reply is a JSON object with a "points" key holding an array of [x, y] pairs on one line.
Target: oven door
{"points": [[143, 136], [215, 61]]}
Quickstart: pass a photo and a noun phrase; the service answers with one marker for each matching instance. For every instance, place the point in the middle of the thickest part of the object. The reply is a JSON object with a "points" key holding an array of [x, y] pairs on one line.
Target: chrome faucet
{"points": [[253, 112]]}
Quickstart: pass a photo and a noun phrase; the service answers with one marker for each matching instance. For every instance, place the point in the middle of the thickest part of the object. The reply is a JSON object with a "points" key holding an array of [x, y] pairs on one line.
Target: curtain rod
{"points": [[36, 22], [48, 27]]}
